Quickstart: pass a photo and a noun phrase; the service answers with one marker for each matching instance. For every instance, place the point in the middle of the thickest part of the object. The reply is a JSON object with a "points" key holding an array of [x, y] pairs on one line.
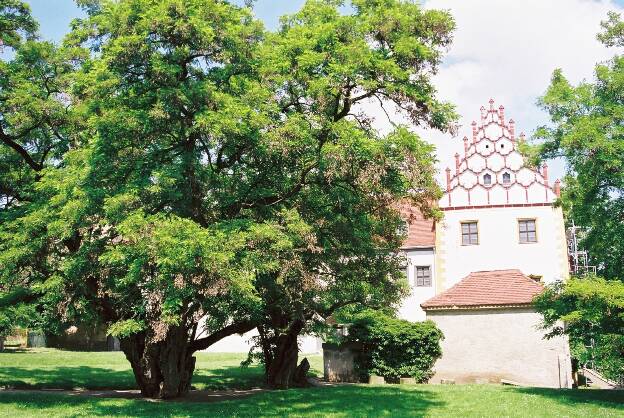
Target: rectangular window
{"points": [[470, 234], [423, 276], [526, 228]]}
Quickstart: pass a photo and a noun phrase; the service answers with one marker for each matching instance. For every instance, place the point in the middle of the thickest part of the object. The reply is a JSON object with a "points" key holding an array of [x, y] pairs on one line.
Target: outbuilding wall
{"points": [[487, 345]]}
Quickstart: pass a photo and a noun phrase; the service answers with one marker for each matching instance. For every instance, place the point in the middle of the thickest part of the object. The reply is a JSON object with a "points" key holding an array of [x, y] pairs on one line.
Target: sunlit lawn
{"points": [[58, 369]]}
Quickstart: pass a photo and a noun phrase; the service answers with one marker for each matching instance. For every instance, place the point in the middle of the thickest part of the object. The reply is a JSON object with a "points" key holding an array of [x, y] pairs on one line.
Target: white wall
{"points": [[410, 307], [241, 344], [487, 345], [499, 247]]}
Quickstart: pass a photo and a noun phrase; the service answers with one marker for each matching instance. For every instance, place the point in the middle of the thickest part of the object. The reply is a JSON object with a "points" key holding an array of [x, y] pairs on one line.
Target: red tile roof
{"points": [[486, 289], [421, 232]]}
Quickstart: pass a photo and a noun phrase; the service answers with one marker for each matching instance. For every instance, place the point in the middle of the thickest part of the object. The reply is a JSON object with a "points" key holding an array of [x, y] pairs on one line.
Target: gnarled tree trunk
{"points": [[282, 367], [163, 369]]}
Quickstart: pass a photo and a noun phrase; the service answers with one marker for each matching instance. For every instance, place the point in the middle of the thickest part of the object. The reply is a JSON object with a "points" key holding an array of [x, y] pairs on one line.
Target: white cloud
{"points": [[507, 50]]}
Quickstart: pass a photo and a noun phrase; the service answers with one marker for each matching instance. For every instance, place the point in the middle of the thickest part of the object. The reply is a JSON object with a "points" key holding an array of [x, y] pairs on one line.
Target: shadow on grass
{"points": [[228, 377], [86, 377], [325, 401], [66, 378], [570, 397]]}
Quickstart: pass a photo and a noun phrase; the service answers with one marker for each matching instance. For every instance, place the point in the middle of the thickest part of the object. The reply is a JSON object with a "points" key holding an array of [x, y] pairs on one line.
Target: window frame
{"points": [[520, 220], [490, 177], [461, 232], [506, 183], [424, 283]]}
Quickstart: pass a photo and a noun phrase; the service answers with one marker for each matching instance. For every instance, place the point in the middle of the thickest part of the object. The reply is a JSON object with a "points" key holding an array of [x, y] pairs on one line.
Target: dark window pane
{"points": [[470, 235], [423, 276], [527, 230]]}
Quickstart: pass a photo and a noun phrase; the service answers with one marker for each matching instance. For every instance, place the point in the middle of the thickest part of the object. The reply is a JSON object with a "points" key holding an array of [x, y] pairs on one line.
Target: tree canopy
{"points": [[593, 311], [587, 132], [178, 173]]}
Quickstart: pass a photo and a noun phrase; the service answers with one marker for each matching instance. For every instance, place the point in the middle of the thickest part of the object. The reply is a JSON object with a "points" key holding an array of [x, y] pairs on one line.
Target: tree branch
{"points": [[8, 140], [236, 328]]}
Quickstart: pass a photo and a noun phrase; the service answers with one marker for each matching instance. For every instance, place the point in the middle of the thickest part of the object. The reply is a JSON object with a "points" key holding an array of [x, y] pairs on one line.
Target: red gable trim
{"points": [[509, 205]]}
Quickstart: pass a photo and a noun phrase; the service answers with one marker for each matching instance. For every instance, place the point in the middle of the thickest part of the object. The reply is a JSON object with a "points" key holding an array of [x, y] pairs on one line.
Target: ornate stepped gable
{"points": [[491, 171]]}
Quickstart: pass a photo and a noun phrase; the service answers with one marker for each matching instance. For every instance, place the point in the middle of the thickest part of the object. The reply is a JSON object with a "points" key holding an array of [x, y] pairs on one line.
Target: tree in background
{"points": [[587, 131], [190, 175], [325, 66], [593, 311]]}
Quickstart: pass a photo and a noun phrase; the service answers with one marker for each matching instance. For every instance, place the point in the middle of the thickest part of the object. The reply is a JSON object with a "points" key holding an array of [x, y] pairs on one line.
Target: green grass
{"points": [[51, 368], [57, 369]]}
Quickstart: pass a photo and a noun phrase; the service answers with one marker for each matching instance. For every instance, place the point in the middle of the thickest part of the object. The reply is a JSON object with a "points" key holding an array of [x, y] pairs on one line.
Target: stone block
{"points": [[376, 380], [407, 381], [35, 340]]}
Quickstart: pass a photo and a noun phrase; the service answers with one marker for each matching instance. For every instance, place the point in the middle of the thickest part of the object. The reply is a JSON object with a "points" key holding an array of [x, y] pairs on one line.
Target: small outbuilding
{"points": [[492, 333]]}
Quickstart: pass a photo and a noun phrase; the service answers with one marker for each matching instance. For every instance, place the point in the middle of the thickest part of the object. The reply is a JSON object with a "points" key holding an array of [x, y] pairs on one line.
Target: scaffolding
{"points": [[578, 257]]}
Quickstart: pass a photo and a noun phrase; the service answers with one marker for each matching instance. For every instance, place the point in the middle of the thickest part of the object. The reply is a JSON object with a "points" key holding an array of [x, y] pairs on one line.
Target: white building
{"points": [[475, 272]]}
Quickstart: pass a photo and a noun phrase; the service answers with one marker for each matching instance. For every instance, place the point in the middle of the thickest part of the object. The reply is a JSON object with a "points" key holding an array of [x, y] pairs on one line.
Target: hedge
{"points": [[395, 348]]}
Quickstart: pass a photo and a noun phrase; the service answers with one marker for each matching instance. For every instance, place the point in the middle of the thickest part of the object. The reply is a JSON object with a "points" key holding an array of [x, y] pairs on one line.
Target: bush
{"points": [[395, 348]]}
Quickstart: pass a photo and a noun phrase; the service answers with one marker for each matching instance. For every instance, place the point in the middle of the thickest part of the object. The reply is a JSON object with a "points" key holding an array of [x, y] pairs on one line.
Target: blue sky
{"points": [[54, 15], [503, 49]]}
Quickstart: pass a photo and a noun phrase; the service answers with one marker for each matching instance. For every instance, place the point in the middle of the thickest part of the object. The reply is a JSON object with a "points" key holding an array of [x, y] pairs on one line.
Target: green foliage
{"points": [[395, 348], [16, 23], [587, 131], [126, 328], [173, 160], [592, 309], [613, 30]]}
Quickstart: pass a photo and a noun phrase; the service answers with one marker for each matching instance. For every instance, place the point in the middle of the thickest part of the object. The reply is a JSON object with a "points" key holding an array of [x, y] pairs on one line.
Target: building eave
{"points": [[475, 307]]}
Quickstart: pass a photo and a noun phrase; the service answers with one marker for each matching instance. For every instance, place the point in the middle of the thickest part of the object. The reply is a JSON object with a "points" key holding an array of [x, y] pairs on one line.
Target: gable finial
{"points": [[491, 104], [474, 131], [465, 147], [501, 115], [512, 128], [558, 188]]}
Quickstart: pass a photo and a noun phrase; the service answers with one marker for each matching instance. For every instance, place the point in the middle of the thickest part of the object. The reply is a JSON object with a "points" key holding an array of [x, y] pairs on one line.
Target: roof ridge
{"points": [[490, 287]]}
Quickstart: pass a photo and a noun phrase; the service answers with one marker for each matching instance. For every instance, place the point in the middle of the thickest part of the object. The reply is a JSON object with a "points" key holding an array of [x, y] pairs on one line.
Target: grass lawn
{"points": [[56, 369], [51, 368]]}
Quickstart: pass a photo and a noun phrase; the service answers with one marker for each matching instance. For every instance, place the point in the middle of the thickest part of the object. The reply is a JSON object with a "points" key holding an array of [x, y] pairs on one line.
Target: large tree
{"points": [[326, 64], [593, 311], [587, 131], [206, 168]]}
